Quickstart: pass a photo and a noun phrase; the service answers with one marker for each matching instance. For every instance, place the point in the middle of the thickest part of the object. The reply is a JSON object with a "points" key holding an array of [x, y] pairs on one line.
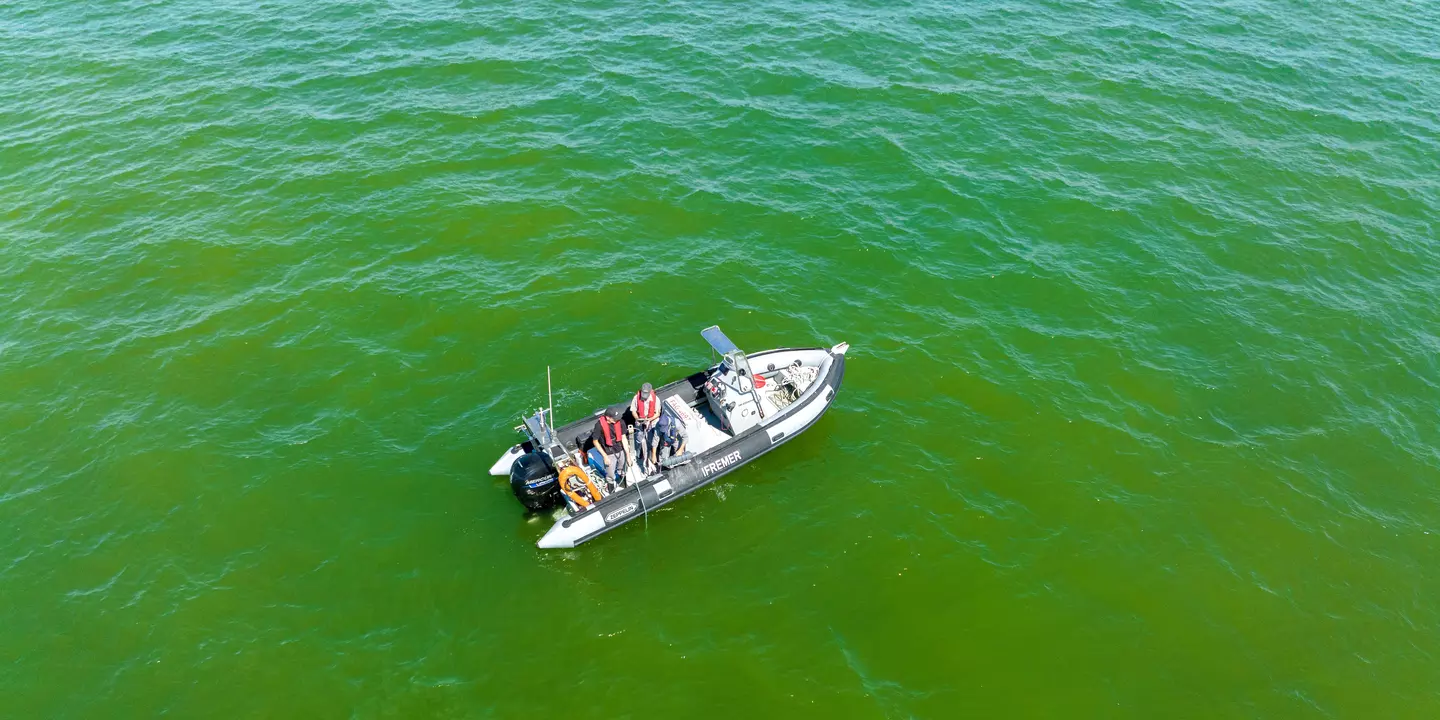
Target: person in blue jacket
{"points": [[668, 439]]}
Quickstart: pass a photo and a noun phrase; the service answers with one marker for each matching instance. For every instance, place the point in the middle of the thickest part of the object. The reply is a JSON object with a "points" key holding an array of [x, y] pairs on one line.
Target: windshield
{"points": [[718, 341]]}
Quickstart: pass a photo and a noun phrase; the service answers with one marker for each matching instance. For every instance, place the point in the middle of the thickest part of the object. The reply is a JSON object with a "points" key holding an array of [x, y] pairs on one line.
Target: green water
{"points": [[1139, 420]]}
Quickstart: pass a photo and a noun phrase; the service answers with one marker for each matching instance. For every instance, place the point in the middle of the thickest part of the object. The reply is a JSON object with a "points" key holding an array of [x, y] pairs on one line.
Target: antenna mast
{"points": [[550, 391]]}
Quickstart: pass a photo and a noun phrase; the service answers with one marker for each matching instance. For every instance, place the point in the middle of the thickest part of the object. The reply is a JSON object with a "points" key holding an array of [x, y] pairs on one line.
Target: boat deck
{"points": [[707, 434]]}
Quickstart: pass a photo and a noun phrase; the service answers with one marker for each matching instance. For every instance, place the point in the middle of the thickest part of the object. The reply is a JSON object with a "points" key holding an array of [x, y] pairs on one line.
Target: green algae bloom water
{"points": [[1139, 417]]}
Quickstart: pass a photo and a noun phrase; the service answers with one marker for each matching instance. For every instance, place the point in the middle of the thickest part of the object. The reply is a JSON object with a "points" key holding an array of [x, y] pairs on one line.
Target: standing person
{"points": [[612, 437], [669, 440], [645, 408]]}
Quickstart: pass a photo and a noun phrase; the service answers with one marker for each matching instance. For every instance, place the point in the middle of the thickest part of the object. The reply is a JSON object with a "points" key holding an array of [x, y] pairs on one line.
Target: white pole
{"points": [[550, 390]]}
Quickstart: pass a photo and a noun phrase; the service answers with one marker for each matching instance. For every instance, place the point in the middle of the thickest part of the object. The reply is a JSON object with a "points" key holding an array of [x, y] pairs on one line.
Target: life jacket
{"points": [[573, 479], [645, 409], [609, 427]]}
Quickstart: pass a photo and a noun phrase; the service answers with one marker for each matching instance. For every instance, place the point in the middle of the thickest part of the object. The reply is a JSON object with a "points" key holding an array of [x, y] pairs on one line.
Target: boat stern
{"points": [[502, 466]]}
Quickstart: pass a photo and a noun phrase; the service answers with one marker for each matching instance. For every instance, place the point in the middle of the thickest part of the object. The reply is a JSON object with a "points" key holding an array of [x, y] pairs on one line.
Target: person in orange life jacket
{"points": [[645, 408], [612, 439]]}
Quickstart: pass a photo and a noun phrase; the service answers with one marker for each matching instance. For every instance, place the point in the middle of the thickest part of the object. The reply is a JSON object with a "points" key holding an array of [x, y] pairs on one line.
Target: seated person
{"points": [[612, 437], [669, 439]]}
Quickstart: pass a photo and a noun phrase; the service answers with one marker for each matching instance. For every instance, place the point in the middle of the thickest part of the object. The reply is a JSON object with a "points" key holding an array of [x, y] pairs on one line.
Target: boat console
{"points": [[730, 387], [732, 398]]}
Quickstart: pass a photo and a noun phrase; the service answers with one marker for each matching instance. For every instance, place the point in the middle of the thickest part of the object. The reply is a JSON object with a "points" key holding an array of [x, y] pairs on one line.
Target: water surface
{"points": [[1139, 418]]}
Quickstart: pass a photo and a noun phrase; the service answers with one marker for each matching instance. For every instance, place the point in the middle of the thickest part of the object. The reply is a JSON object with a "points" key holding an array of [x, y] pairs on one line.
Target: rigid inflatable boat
{"points": [[733, 412]]}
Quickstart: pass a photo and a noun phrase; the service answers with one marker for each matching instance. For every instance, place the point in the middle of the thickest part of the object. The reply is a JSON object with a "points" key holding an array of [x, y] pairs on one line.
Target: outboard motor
{"points": [[534, 481]]}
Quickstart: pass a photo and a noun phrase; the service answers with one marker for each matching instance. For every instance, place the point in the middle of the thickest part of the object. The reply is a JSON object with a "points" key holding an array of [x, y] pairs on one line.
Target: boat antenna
{"points": [[550, 391]]}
